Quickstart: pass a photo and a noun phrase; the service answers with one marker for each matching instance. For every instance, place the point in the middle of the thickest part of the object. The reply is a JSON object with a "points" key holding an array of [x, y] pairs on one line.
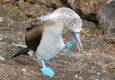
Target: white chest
{"points": [[50, 45]]}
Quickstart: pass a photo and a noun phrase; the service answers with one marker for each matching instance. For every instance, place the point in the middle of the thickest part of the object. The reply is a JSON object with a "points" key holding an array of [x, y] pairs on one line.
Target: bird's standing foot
{"points": [[46, 70]]}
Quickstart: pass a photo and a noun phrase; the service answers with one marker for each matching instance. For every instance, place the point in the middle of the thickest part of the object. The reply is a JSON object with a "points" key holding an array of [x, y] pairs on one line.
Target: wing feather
{"points": [[34, 34]]}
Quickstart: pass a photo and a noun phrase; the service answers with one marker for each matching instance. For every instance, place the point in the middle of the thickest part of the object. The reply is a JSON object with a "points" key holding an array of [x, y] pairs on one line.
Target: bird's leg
{"points": [[46, 70], [69, 44]]}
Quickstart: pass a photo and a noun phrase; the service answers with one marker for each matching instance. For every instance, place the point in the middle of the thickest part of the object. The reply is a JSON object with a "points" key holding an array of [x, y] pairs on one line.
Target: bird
{"points": [[43, 36]]}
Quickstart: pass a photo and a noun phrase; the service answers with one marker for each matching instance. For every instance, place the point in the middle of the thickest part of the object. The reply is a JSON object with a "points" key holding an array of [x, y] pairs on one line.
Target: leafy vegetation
{"points": [[13, 59], [25, 22], [15, 10], [24, 12], [4, 55], [8, 56], [87, 4]]}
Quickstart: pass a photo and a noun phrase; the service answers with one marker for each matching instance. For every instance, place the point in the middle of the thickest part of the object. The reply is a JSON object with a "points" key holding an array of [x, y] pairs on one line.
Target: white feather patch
{"points": [[19, 45]]}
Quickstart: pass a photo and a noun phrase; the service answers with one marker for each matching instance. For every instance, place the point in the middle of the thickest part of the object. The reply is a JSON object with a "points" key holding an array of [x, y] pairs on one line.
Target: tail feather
{"points": [[22, 51]]}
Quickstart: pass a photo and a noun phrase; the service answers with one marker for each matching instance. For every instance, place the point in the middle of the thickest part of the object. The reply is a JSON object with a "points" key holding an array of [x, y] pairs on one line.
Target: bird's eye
{"points": [[71, 31]]}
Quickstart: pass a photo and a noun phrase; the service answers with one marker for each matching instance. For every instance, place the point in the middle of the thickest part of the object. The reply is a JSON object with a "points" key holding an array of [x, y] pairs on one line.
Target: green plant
{"points": [[87, 4], [24, 12], [25, 22], [9, 57], [17, 7], [95, 0], [13, 59], [4, 54], [14, 10]]}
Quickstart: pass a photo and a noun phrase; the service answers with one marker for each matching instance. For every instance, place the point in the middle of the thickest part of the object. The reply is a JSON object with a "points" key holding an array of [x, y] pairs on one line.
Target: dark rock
{"points": [[88, 25], [51, 3], [98, 31], [110, 67], [94, 44], [31, 1], [18, 25], [4, 1], [7, 1], [103, 44], [6, 23], [88, 6], [4, 10], [23, 5], [38, 11], [109, 39], [106, 18], [29, 14], [17, 16]]}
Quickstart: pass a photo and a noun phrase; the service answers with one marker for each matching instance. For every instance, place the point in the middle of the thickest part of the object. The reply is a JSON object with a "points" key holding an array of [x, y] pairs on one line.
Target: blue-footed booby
{"points": [[44, 35]]}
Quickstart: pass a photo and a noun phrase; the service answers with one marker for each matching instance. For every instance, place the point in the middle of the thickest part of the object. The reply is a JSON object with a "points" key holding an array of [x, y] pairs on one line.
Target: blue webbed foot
{"points": [[69, 44], [46, 70]]}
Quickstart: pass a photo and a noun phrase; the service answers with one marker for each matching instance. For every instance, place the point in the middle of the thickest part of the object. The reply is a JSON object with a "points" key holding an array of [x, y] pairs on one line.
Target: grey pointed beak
{"points": [[76, 36]]}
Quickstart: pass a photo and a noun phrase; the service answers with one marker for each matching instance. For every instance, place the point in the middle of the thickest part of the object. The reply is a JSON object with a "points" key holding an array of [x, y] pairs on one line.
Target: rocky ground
{"points": [[96, 62]]}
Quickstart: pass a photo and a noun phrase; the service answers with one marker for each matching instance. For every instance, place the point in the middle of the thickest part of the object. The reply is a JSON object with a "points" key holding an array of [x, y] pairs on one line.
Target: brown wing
{"points": [[32, 37], [34, 34]]}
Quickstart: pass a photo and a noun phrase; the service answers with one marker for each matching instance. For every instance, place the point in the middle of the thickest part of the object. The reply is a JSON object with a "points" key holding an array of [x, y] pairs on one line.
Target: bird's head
{"points": [[75, 29]]}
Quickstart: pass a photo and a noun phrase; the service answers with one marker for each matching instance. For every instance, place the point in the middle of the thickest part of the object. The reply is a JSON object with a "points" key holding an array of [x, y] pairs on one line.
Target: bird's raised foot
{"points": [[46, 70], [69, 44]]}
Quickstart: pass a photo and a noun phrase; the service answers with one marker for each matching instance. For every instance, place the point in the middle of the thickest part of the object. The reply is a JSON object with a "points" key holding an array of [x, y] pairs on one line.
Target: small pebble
{"points": [[1, 38], [1, 19], [98, 73], [1, 58], [76, 76], [24, 70]]}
